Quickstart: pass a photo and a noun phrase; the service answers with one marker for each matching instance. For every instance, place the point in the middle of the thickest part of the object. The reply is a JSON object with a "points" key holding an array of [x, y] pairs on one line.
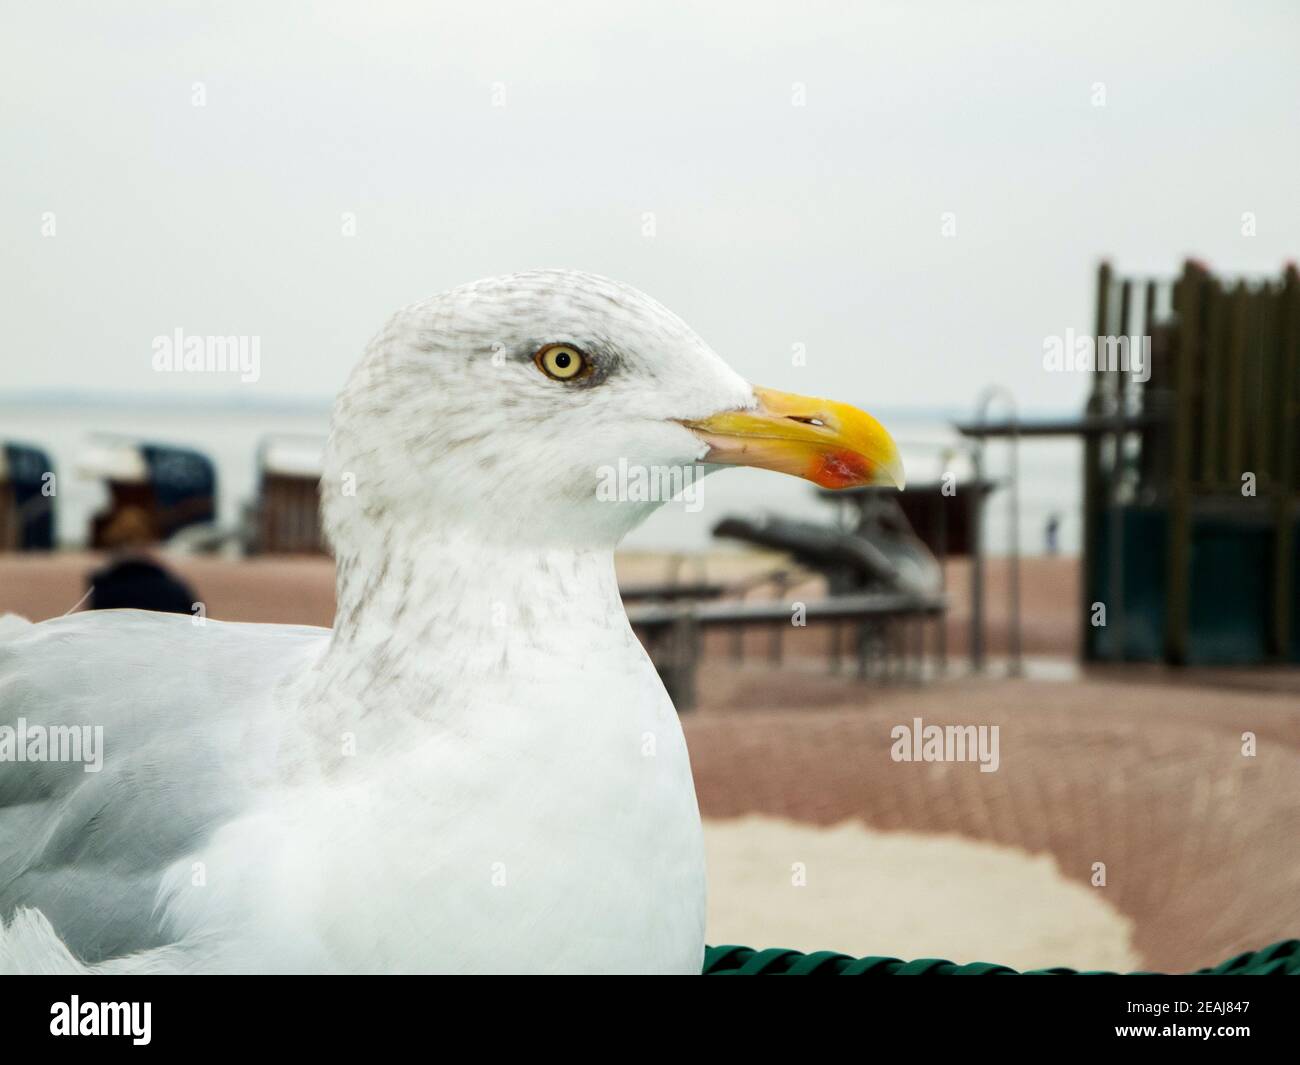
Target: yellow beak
{"points": [[831, 444]]}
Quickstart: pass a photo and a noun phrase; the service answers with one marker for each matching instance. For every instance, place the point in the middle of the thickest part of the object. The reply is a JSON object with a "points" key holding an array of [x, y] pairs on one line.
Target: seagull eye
{"points": [[561, 361]]}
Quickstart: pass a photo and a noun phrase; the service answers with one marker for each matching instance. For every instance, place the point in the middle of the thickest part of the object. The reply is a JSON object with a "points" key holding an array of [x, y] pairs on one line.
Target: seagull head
{"points": [[498, 409]]}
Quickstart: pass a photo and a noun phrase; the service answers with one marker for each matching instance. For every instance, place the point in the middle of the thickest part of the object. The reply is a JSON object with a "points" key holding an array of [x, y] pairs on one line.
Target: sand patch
{"points": [[905, 895]]}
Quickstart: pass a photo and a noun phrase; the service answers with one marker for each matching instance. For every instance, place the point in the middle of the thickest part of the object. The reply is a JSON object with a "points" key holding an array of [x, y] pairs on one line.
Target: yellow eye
{"points": [[561, 361]]}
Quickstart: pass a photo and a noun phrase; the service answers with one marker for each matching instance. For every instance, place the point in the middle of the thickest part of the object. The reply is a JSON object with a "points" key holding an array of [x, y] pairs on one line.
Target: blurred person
{"points": [[133, 577]]}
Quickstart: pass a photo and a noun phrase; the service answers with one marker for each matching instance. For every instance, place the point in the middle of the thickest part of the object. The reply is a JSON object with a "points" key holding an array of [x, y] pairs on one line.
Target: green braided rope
{"points": [[1281, 959]]}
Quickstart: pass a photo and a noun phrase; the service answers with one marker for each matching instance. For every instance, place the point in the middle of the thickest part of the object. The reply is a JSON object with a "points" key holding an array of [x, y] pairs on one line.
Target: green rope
{"points": [[1281, 959]]}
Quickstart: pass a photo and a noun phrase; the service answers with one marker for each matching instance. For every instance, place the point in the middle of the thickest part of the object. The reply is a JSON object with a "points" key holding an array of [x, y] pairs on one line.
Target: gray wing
{"points": [[181, 707]]}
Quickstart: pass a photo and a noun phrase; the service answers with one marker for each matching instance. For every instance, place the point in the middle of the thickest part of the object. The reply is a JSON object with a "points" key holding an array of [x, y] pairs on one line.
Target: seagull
{"points": [[477, 768]]}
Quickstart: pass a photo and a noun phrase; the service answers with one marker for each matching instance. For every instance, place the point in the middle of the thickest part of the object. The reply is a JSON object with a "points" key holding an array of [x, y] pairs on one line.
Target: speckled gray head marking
{"points": [[449, 424]]}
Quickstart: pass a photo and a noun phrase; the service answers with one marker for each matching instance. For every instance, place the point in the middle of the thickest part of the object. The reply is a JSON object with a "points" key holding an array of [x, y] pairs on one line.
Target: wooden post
{"points": [[1216, 330], [1234, 422], [1177, 592], [1114, 507], [1284, 484], [9, 524], [1092, 487], [683, 641], [778, 633]]}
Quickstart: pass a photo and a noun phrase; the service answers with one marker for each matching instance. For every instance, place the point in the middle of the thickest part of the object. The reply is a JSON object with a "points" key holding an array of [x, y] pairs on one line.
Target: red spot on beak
{"points": [[840, 469]]}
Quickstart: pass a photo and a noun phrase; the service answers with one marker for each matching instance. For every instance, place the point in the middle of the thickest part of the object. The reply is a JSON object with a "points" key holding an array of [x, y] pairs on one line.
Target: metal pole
{"points": [[1015, 667], [977, 560], [941, 549]]}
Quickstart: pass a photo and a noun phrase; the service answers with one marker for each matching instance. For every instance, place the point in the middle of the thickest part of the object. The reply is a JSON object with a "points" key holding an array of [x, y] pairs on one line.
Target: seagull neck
{"points": [[447, 609]]}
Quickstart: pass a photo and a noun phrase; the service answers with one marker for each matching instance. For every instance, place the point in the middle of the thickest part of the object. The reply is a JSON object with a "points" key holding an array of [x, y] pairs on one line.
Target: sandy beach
{"points": [[904, 894]]}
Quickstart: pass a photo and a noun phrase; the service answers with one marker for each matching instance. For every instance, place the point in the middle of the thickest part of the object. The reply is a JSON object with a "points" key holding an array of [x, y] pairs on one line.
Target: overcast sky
{"points": [[774, 224]]}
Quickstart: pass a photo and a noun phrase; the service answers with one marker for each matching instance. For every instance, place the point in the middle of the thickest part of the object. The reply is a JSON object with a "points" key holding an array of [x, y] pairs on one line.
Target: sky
{"points": [[778, 174]]}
